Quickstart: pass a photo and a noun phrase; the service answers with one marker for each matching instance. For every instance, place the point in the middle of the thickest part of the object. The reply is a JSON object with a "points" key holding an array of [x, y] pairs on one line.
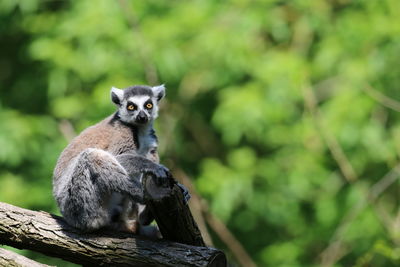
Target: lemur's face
{"points": [[138, 104]]}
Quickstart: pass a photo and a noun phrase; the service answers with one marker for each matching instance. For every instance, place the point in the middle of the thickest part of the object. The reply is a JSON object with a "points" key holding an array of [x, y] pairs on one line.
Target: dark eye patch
{"points": [[129, 106], [148, 104]]}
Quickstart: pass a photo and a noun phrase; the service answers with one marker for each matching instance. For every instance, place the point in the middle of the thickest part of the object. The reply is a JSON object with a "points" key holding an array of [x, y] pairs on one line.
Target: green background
{"points": [[283, 113]]}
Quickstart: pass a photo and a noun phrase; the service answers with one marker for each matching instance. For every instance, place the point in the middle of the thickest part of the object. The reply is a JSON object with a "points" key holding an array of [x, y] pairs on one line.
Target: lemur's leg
{"points": [[94, 176], [136, 165], [125, 214]]}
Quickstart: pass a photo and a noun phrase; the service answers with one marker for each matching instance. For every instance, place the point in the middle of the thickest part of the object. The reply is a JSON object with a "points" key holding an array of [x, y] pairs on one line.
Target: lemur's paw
{"points": [[163, 180], [160, 173], [185, 192]]}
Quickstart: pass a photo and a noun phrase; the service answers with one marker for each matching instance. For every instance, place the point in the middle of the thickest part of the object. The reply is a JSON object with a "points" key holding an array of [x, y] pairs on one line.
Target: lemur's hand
{"points": [[185, 192], [160, 173]]}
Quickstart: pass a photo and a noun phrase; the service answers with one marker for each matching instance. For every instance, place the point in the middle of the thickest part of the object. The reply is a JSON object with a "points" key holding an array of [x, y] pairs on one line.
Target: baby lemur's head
{"points": [[138, 104]]}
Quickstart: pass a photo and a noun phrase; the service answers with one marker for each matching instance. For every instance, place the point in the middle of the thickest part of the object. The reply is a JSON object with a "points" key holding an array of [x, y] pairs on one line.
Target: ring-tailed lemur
{"points": [[96, 179]]}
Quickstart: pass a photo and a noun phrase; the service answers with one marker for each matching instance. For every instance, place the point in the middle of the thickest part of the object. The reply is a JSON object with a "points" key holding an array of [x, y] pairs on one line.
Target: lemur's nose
{"points": [[141, 117]]}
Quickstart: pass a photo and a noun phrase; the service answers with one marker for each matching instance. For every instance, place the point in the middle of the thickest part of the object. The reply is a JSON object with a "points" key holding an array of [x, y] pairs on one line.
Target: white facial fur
{"points": [[139, 100]]}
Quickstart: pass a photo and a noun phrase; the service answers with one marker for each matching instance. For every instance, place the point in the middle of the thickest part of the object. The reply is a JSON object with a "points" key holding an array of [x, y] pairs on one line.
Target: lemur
{"points": [[96, 181]]}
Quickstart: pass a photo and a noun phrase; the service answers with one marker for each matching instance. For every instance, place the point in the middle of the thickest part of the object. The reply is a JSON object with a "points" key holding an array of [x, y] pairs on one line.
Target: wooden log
{"points": [[12, 259], [171, 213], [52, 236]]}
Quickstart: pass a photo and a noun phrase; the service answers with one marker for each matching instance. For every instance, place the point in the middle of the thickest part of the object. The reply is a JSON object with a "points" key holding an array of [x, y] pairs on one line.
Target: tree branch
{"points": [[336, 248], [381, 98], [171, 212], [12, 259], [334, 147], [50, 235]]}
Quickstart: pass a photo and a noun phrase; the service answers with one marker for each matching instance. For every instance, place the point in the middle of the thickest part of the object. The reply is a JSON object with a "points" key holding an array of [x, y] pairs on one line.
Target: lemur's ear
{"points": [[117, 95], [159, 91]]}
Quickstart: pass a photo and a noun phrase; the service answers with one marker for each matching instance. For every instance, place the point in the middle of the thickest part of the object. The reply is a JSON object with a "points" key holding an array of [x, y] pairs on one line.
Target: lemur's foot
{"points": [[150, 231], [128, 226], [131, 226]]}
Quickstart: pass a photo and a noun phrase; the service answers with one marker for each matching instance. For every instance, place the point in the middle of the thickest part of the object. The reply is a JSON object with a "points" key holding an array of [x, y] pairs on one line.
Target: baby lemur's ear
{"points": [[158, 91], [117, 95]]}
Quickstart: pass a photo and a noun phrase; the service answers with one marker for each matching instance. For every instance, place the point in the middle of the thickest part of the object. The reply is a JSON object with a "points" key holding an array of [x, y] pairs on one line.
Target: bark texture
{"points": [[12, 259], [171, 213], [51, 235]]}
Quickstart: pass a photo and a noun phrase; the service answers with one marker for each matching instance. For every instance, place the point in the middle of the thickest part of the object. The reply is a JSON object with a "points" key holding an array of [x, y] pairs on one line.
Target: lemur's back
{"points": [[109, 135]]}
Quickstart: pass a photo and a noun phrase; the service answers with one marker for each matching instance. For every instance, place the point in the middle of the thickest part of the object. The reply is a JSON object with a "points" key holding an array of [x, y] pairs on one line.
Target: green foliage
{"points": [[237, 116]]}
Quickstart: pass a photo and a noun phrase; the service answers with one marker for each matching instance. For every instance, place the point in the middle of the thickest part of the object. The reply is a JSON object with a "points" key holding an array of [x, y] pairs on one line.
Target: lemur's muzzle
{"points": [[141, 117]]}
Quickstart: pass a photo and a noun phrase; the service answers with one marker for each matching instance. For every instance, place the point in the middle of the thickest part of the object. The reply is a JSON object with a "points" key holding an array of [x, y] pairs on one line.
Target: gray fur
{"points": [[96, 181]]}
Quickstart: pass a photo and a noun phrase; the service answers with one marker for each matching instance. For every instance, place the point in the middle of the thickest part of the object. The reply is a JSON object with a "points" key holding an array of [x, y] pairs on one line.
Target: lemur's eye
{"points": [[149, 105], [131, 107]]}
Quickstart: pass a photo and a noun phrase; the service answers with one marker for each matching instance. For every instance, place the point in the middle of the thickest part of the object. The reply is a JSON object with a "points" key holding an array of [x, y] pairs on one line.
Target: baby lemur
{"points": [[96, 181]]}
